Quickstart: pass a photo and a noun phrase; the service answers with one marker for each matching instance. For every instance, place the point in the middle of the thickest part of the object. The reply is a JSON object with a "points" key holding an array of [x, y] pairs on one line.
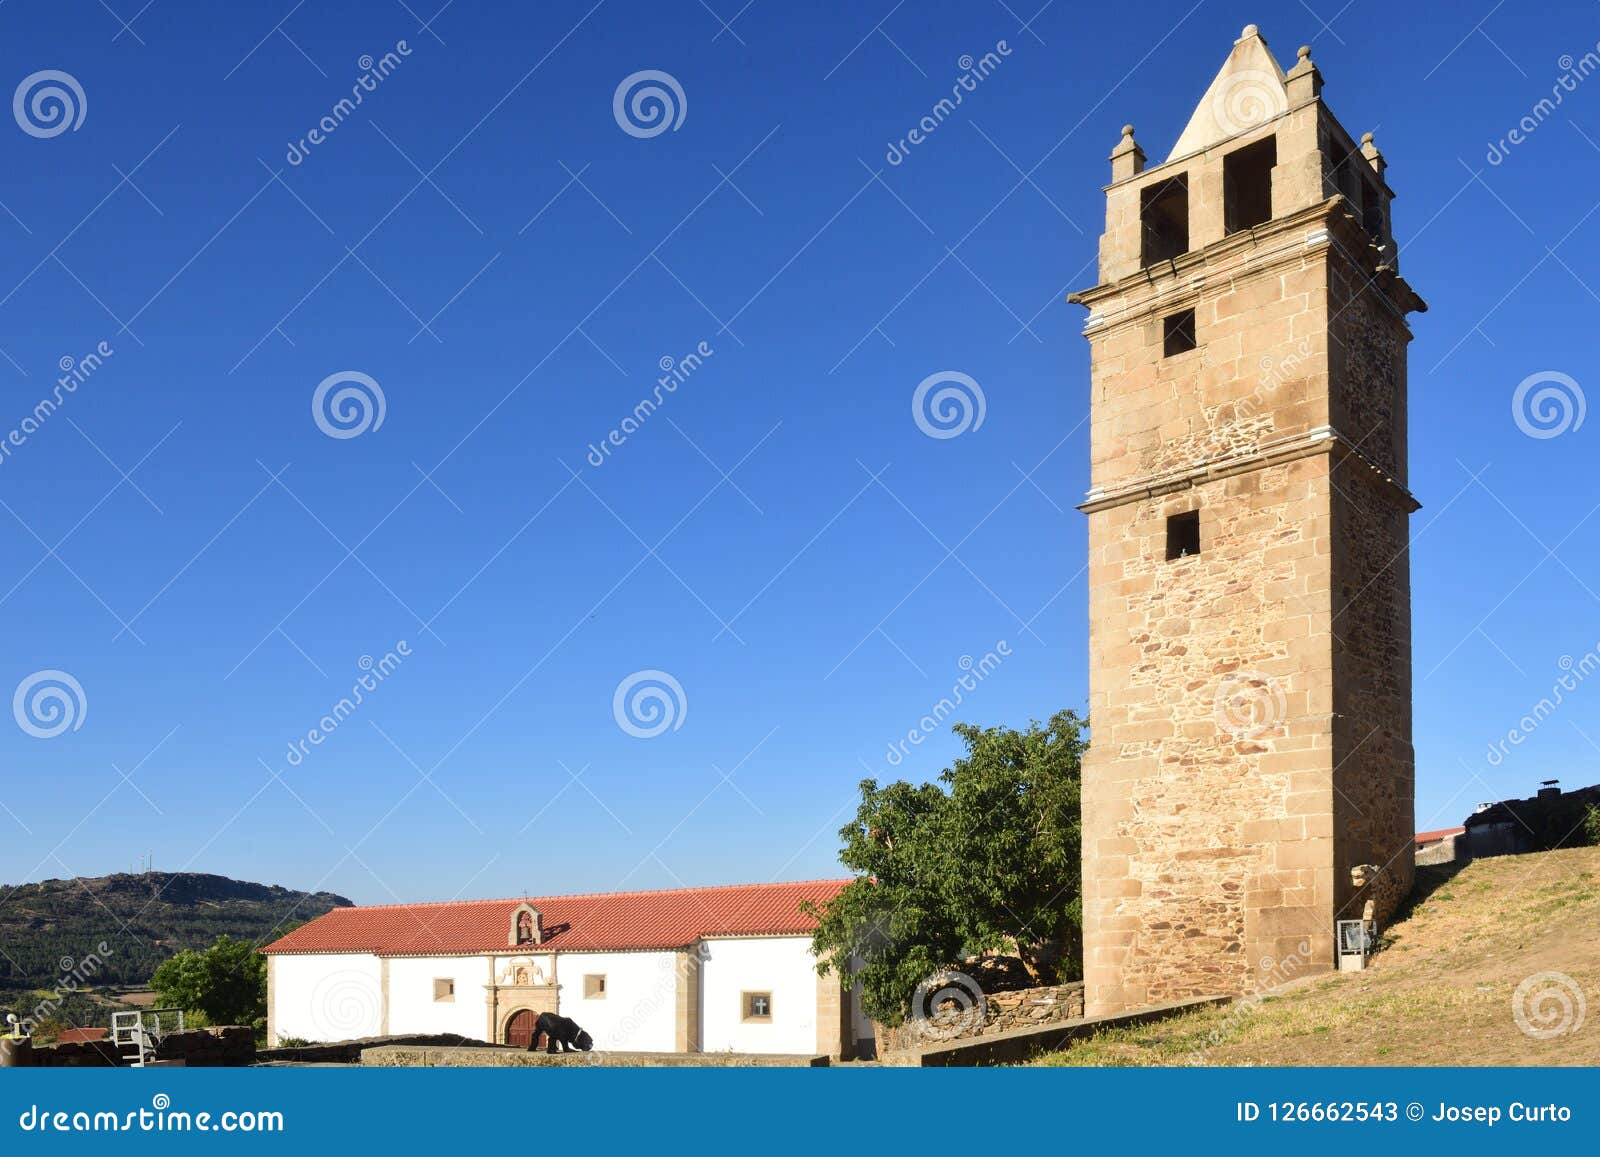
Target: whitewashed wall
{"points": [[411, 1004], [339, 996], [327, 997], [639, 1009], [782, 966]]}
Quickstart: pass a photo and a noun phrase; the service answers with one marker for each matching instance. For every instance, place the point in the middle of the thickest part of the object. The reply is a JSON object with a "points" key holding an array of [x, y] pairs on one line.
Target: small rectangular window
{"points": [[1183, 534], [755, 1006], [1164, 215], [594, 986], [1372, 211], [444, 989], [1338, 178], [1247, 185], [1177, 333]]}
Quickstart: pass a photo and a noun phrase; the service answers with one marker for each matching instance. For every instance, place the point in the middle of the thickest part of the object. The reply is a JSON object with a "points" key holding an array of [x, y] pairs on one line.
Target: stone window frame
{"points": [[745, 999], [1243, 174], [1178, 523], [1174, 332], [444, 990], [1156, 206], [594, 986]]}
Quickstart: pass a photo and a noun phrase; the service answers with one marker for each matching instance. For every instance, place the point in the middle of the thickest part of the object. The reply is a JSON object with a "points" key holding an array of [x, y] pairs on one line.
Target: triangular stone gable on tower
{"points": [[1249, 91]]}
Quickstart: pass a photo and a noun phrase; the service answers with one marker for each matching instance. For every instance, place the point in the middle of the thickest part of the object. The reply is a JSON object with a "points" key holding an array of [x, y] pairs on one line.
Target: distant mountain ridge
{"points": [[48, 928]]}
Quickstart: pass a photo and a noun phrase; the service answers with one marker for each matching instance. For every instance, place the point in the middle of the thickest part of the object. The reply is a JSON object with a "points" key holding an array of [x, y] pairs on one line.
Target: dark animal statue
{"points": [[561, 1034]]}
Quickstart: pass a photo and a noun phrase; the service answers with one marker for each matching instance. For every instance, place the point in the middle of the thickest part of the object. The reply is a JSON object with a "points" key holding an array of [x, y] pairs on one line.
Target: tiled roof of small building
{"points": [[607, 921], [80, 1035], [1430, 837]]}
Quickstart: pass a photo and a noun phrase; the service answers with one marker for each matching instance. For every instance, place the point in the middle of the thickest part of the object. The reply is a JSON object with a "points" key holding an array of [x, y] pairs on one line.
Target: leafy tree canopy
{"points": [[225, 984], [986, 859]]}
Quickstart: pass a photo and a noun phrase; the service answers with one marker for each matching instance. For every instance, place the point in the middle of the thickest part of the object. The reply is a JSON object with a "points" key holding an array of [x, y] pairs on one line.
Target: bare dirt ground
{"points": [[1444, 990]]}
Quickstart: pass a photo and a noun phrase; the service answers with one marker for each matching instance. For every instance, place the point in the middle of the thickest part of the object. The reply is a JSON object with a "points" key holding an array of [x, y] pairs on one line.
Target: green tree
{"points": [[225, 984], [1012, 837], [988, 858]]}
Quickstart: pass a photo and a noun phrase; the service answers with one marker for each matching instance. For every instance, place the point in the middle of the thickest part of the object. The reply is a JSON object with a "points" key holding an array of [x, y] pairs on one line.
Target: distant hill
{"points": [[48, 927]]}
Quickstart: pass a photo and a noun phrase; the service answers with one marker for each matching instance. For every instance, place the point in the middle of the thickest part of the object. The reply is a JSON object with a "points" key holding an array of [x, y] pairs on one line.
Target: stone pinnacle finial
{"points": [[1127, 158], [1371, 153], [1304, 79]]}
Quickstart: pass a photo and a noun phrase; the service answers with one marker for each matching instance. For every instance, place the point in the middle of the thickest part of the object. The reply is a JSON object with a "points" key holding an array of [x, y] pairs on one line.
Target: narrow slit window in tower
{"points": [[1183, 534], [1372, 211], [1164, 215], [1177, 333], [1247, 185]]}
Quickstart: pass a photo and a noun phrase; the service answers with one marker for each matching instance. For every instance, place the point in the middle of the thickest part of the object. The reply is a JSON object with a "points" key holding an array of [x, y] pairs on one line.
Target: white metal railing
{"points": [[141, 1031]]}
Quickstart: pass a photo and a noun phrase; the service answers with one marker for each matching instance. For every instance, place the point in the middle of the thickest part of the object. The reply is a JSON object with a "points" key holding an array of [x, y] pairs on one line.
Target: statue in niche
{"points": [[524, 928]]}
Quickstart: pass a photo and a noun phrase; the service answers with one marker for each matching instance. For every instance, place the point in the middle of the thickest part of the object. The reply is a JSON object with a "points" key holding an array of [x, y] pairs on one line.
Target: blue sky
{"points": [[482, 239]]}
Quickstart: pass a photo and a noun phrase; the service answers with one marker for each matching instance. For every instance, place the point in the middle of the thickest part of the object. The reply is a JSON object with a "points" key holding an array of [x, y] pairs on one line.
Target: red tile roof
{"points": [[1442, 833], [608, 921], [80, 1035]]}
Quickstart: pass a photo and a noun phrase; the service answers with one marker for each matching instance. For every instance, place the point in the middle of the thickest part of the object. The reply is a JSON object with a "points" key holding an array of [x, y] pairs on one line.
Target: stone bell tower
{"points": [[1249, 585]]}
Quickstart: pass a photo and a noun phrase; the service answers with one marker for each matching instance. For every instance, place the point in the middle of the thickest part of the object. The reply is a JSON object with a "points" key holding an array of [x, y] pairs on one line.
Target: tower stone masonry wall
{"points": [[1250, 704]]}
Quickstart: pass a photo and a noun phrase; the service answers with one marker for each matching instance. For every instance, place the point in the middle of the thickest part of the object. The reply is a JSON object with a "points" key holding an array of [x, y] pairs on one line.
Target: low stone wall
{"points": [[498, 1056], [1020, 1008], [1017, 1045], [225, 1047], [1446, 851], [1032, 1006], [77, 1055], [348, 1052]]}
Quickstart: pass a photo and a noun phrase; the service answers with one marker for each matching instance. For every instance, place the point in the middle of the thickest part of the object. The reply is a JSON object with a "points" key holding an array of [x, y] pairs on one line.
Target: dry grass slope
{"points": [[1440, 993]]}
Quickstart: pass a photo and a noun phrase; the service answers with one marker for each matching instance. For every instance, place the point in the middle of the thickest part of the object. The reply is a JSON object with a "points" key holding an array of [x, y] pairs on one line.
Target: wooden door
{"points": [[519, 1029]]}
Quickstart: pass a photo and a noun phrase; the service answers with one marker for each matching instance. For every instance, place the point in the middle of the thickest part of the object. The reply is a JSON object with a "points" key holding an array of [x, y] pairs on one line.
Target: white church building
{"points": [[686, 970]]}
